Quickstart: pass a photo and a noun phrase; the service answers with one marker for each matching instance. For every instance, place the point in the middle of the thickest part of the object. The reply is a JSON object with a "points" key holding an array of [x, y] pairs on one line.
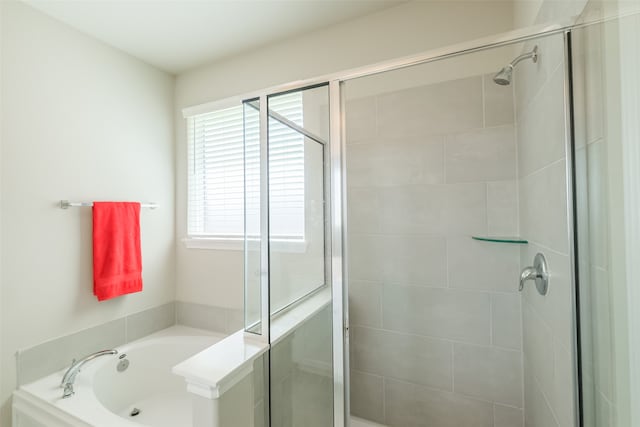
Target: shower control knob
{"points": [[538, 273]]}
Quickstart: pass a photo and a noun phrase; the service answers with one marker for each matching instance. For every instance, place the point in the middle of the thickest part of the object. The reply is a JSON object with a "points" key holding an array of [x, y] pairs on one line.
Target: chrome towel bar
{"points": [[65, 204]]}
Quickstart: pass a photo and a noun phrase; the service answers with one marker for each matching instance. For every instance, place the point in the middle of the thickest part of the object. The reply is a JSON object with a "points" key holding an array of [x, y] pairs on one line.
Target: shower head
{"points": [[504, 76]]}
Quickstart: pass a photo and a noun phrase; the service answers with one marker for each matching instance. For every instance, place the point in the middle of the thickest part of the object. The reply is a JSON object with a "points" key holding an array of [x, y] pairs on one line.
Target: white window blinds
{"points": [[286, 169], [217, 170]]}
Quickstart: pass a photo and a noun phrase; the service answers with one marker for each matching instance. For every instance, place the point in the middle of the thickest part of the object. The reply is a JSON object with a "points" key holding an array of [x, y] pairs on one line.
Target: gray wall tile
{"points": [[365, 303], [413, 209], [235, 320], [367, 394], [507, 416], [554, 307], [537, 412], [538, 348], [391, 161], [543, 207], [202, 316], [443, 313], [48, 357], [361, 119], [366, 257], [502, 208], [427, 110], [498, 103], [420, 360], [410, 405], [149, 321], [419, 260], [414, 260], [56, 354], [481, 155], [506, 321], [541, 127], [312, 395], [363, 207], [488, 373], [481, 265], [530, 80], [563, 388], [465, 209]]}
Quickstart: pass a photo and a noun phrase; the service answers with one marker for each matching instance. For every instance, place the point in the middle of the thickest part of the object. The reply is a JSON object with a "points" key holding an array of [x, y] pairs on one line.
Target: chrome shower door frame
{"points": [[339, 196], [336, 171]]}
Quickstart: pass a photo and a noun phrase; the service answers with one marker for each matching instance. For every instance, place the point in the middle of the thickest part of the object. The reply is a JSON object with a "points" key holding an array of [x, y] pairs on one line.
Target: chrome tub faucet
{"points": [[70, 376]]}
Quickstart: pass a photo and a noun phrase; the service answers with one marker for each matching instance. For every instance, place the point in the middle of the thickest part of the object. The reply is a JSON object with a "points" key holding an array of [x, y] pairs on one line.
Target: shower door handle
{"points": [[539, 273]]}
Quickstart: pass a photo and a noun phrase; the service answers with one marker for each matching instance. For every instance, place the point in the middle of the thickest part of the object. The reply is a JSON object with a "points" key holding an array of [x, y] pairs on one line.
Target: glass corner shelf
{"points": [[501, 239]]}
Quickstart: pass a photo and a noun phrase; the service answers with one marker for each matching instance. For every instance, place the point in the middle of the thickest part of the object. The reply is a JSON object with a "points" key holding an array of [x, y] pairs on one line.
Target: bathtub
{"points": [[145, 394]]}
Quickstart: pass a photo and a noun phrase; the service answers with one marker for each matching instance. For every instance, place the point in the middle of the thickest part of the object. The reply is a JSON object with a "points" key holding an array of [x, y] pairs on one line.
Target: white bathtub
{"points": [[105, 397]]}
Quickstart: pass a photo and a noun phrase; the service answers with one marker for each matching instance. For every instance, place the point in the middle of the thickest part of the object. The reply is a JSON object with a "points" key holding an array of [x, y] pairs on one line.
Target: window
{"points": [[217, 170]]}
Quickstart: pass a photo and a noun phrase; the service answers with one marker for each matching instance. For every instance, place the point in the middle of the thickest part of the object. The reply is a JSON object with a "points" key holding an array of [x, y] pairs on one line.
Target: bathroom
{"points": [[366, 271]]}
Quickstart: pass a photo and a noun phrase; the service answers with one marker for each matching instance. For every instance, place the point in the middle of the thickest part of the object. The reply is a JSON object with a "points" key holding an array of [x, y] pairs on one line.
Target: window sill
{"points": [[278, 245], [215, 244]]}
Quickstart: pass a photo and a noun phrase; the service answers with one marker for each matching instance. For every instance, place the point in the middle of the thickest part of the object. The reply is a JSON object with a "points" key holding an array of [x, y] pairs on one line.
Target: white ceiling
{"points": [[176, 35]]}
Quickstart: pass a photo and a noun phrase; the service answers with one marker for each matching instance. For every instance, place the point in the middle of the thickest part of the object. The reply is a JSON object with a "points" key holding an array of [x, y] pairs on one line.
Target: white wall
{"points": [[530, 12], [81, 121], [215, 277]]}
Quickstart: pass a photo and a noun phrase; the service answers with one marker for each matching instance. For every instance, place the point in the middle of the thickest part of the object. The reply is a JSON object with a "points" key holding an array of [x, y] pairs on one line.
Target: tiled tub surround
{"points": [[209, 317], [43, 359], [435, 316], [547, 320]]}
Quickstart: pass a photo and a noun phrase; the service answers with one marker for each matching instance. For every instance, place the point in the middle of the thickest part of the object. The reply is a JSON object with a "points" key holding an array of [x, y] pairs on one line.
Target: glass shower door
{"points": [[295, 262], [607, 88], [457, 175], [300, 289]]}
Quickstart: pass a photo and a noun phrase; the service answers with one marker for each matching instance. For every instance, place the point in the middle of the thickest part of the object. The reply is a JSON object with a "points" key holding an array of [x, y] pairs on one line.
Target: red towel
{"points": [[117, 258]]}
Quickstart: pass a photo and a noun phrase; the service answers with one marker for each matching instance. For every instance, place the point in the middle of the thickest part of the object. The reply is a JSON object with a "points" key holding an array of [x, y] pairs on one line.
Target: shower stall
{"points": [[433, 257], [456, 178]]}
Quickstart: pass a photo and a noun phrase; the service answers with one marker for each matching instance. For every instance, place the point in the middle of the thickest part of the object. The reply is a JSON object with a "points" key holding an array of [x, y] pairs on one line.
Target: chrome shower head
{"points": [[505, 76]]}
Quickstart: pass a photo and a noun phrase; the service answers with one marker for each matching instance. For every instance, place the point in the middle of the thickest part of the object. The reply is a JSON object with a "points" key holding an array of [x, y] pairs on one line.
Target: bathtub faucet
{"points": [[70, 376]]}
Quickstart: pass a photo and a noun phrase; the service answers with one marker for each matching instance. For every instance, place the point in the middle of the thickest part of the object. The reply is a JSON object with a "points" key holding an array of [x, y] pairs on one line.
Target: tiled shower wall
{"points": [[435, 316], [547, 320]]}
